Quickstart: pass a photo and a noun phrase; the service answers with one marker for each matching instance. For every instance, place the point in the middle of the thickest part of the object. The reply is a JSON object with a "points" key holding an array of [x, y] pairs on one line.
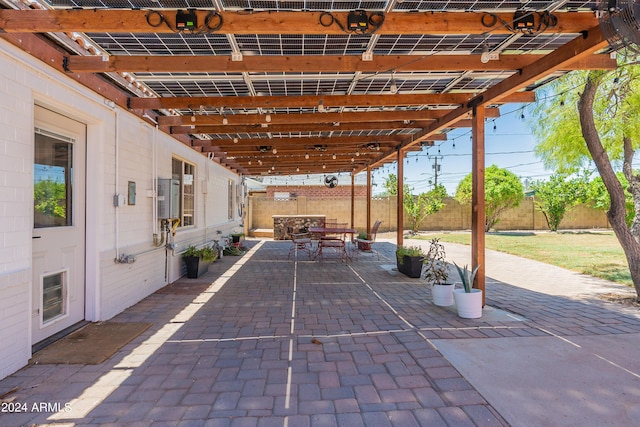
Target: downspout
{"points": [[154, 181], [116, 182], [204, 190]]}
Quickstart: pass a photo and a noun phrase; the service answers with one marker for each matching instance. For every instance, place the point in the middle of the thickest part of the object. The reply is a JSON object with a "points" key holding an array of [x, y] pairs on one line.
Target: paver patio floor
{"points": [[266, 341]]}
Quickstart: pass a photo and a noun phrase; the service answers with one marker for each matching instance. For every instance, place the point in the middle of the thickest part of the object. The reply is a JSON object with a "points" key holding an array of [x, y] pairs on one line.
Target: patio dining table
{"points": [[324, 231]]}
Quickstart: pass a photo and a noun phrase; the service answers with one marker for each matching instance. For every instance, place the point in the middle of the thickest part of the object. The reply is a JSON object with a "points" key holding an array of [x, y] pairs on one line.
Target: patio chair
{"points": [[335, 241], [300, 242], [370, 240]]}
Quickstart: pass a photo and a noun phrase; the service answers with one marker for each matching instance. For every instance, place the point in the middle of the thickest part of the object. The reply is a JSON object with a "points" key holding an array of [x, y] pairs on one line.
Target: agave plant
{"points": [[467, 277]]}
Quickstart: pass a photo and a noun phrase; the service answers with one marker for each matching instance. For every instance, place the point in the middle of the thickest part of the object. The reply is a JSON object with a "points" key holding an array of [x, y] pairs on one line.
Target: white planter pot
{"points": [[469, 305], [442, 295]]}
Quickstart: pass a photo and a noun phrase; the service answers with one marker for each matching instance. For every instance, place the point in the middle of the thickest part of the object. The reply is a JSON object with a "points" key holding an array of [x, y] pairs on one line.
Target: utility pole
{"points": [[436, 168]]}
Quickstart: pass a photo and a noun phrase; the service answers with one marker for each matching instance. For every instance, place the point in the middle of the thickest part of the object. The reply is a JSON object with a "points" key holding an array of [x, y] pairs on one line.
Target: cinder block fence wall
{"points": [[452, 217]]}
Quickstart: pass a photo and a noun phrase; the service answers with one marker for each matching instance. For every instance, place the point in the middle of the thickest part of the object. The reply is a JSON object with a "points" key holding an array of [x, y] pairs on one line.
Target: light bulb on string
{"points": [[494, 126], [394, 86]]}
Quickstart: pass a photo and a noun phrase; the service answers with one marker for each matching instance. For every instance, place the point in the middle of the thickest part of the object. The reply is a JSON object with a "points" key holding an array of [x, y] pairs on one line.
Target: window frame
{"points": [[187, 206], [231, 190]]}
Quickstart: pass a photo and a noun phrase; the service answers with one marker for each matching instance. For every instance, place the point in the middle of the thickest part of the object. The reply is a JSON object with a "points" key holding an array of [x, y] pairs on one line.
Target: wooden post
{"points": [[369, 190], [399, 201], [478, 216], [353, 198]]}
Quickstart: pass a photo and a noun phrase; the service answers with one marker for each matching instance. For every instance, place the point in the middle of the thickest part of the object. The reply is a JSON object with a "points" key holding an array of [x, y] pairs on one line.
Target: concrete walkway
{"points": [[266, 341]]}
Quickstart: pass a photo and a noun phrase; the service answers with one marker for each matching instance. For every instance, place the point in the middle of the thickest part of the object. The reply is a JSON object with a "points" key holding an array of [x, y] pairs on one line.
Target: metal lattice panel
{"points": [[182, 88], [282, 44], [162, 44]]}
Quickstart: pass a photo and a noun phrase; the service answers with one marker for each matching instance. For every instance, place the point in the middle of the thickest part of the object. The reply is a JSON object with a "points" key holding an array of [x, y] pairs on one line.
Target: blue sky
{"points": [[509, 146]]}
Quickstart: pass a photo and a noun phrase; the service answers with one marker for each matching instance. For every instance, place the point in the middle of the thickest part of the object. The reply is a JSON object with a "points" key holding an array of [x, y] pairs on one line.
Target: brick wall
{"points": [[16, 206], [110, 287], [317, 191]]}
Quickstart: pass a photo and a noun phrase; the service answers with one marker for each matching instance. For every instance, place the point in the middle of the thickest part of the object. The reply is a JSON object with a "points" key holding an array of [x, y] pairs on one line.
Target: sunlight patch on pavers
{"points": [[110, 381]]}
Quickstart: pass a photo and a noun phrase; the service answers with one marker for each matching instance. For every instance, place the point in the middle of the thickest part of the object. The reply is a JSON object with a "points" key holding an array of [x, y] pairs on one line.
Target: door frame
{"points": [[49, 121]]}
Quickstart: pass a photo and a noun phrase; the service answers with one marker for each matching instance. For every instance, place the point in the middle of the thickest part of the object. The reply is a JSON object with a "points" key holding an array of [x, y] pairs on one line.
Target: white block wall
{"points": [[111, 287]]}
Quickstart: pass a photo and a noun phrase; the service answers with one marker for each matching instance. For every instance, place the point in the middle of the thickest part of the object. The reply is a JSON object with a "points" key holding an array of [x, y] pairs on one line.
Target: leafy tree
{"points": [[598, 196], [418, 207], [391, 185], [607, 123], [557, 195], [47, 196], [503, 190]]}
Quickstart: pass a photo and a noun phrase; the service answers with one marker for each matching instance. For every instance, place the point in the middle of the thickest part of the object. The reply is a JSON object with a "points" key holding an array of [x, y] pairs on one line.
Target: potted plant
{"points": [[198, 260], [435, 272], [468, 299], [364, 243], [410, 259]]}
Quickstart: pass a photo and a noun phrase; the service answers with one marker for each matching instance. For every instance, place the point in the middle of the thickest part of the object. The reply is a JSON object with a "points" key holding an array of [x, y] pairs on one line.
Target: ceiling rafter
{"points": [[266, 120], [298, 127], [301, 141], [328, 101], [329, 63]]}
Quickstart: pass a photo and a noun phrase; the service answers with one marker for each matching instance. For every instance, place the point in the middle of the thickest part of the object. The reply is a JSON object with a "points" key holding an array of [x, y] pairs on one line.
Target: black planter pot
{"points": [[235, 238], [411, 266], [192, 266]]}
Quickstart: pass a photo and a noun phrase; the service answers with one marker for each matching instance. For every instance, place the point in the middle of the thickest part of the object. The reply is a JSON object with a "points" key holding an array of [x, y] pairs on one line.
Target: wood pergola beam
{"points": [[290, 151], [293, 119], [310, 63], [328, 101], [302, 142], [287, 22], [295, 128]]}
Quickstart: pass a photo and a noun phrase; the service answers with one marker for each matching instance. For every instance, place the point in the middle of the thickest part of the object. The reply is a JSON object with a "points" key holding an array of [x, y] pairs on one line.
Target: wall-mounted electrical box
{"points": [[168, 198]]}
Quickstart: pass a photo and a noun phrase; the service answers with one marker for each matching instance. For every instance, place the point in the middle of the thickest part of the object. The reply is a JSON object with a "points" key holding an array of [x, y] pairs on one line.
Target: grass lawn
{"points": [[593, 253]]}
